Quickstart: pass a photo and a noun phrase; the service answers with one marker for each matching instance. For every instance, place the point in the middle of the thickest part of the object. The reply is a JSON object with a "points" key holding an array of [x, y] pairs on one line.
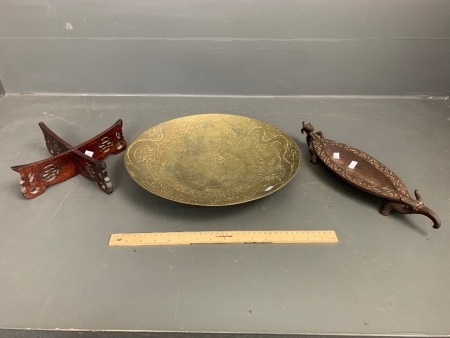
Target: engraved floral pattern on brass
{"points": [[212, 159]]}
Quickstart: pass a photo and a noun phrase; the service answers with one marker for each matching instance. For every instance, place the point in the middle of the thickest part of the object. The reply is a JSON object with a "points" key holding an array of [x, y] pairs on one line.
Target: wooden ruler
{"points": [[222, 237]]}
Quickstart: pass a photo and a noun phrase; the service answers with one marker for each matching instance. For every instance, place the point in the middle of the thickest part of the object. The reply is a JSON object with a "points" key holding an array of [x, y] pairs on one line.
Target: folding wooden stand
{"points": [[67, 162]]}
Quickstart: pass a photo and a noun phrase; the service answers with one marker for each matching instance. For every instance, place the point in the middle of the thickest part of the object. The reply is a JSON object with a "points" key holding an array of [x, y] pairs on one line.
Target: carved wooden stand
{"points": [[67, 162]]}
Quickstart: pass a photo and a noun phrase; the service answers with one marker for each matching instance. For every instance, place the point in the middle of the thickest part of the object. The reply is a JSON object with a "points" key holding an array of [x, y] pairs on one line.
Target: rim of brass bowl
{"points": [[212, 159]]}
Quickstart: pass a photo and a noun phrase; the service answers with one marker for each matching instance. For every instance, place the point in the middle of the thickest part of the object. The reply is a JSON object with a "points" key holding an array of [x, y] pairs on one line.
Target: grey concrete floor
{"points": [[387, 275]]}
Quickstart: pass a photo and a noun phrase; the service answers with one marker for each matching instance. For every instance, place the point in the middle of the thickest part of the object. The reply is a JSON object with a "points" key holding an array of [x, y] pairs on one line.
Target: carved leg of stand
{"points": [[110, 141], [389, 206], [308, 129], [404, 207], [37, 176], [384, 208], [54, 143], [314, 158], [94, 170]]}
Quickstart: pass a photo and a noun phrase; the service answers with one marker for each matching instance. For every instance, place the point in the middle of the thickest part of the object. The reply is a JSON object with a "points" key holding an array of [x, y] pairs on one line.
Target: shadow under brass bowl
{"points": [[212, 159]]}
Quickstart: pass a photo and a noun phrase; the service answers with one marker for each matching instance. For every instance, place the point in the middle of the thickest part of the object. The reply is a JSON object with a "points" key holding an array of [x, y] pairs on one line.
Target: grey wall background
{"points": [[226, 47]]}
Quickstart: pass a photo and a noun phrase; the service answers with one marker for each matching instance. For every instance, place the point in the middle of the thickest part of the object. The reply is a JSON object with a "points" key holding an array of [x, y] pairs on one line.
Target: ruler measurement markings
{"points": [[218, 237]]}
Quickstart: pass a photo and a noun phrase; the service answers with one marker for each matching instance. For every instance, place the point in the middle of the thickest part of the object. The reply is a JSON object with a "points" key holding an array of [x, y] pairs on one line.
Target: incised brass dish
{"points": [[212, 159]]}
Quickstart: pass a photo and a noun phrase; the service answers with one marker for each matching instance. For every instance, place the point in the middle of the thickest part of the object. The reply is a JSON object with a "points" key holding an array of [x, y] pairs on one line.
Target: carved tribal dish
{"points": [[212, 159], [366, 173]]}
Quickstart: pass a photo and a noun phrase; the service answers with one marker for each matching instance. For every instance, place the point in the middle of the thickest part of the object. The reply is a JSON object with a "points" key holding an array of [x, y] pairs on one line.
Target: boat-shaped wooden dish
{"points": [[212, 159], [366, 173]]}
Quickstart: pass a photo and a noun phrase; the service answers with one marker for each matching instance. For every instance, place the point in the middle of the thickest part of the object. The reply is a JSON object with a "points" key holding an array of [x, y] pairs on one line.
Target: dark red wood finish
{"points": [[68, 161]]}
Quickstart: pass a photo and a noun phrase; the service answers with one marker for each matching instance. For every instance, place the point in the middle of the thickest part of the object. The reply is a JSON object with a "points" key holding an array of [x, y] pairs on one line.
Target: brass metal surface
{"points": [[212, 159]]}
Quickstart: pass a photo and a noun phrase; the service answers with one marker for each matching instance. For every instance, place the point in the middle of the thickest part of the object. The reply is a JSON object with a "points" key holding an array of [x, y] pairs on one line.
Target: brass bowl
{"points": [[212, 159]]}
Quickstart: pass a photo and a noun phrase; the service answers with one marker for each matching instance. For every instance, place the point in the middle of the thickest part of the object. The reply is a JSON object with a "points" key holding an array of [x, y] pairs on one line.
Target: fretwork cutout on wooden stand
{"points": [[67, 161]]}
